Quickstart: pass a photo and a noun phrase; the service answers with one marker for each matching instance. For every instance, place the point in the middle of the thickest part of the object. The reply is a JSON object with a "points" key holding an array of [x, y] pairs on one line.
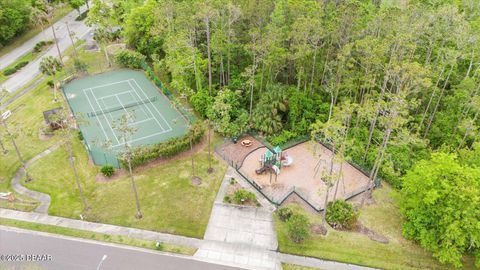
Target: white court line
{"points": [[106, 108], [141, 107], [108, 84], [117, 94], [91, 106], [142, 138], [161, 115], [130, 124], [133, 123], [149, 109], [110, 125]]}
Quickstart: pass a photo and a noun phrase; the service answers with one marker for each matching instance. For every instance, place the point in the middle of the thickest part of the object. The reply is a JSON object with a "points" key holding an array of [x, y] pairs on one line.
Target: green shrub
{"points": [[130, 59], [50, 83], [283, 138], [39, 46], [242, 196], [9, 71], [298, 228], [233, 181], [21, 64], [227, 199], [80, 136], [341, 215], [284, 213], [107, 170], [82, 16], [168, 148]]}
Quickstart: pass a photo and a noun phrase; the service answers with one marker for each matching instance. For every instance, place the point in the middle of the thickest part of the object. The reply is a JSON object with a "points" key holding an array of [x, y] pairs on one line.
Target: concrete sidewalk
{"points": [[227, 248]]}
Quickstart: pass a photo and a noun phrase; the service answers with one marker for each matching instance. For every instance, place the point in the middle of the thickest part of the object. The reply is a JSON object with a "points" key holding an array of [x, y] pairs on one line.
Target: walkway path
{"points": [[242, 236], [175, 239], [43, 198]]}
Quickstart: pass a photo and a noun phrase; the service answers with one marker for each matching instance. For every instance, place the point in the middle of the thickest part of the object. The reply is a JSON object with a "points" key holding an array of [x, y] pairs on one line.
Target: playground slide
{"points": [[287, 161], [261, 170], [276, 169]]}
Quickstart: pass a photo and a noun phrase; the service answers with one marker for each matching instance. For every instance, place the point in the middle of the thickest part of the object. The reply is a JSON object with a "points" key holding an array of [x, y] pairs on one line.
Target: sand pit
{"points": [[302, 174]]}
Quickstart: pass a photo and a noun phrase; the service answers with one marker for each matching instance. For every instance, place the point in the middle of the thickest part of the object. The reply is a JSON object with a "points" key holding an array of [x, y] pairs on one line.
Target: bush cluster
{"points": [[107, 170], [166, 149], [284, 213], [130, 59], [283, 137], [39, 46], [11, 70], [341, 215], [242, 196], [298, 227], [82, 16]]}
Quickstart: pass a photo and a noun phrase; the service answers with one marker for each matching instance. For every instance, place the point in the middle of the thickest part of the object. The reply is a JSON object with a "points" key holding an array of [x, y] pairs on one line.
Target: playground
{"points": [[301, 168], [99, 101]]}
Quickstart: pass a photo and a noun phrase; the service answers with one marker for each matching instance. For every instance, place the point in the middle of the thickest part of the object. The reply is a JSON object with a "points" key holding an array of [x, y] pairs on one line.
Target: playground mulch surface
{"points": [[236, 152], [303, 176]]}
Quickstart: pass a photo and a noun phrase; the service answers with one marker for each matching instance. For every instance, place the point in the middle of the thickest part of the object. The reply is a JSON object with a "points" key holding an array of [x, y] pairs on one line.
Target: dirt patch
{"points": [[196, 181], [374, 236], [317, 228], [236, 152], [44, 137]]}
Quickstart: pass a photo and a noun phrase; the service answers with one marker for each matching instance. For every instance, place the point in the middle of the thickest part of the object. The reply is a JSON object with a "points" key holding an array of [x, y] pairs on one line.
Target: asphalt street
{"points": [[29, 72], [33, 250]]}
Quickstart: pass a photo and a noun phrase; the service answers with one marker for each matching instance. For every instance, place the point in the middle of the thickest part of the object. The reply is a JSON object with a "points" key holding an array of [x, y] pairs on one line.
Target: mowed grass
{"points": [[60, 12], [383, 217], [169, 202], [25, 123], [287, 266], [117, 239]]}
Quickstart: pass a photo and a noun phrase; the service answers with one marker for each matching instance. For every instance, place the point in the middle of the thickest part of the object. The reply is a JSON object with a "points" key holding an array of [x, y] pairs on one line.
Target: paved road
{"points": [[77, 254], [29, 72]]}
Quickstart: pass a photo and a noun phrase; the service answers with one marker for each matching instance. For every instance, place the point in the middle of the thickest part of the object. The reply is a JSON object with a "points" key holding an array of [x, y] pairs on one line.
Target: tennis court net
{"points": [[121, 107]]}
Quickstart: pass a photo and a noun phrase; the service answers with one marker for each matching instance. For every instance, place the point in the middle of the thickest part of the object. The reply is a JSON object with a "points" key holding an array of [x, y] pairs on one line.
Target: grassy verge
{"points": [[117, 239], [350, 247], [287, 266], [30, 56], [60, 12], [169, 202]]}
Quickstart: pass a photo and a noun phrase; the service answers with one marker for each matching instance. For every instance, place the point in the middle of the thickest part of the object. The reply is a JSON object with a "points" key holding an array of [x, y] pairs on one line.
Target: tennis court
{"points": [[99, 101]]}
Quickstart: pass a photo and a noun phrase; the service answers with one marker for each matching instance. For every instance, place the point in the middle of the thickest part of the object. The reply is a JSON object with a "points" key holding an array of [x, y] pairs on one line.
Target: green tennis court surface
{"points": [[99, 101]]}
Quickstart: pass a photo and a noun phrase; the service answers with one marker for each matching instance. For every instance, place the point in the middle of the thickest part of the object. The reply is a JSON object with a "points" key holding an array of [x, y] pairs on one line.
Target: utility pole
{"points": [[70, 35]]}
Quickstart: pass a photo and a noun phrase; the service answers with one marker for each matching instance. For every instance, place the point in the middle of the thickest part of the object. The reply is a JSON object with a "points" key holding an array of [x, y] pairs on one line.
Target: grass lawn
{"points": [[169, 202], [287, 266], [60, 12], [117, 239], [25, 122], [382, 217]]}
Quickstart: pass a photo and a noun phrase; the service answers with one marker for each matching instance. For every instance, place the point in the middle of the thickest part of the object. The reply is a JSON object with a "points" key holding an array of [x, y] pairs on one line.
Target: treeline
{"points": [[279, 66], [17, 16], [387, 82]]}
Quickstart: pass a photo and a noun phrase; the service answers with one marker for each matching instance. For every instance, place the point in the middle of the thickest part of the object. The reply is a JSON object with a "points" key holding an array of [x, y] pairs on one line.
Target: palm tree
{"points": [[50, 65]]}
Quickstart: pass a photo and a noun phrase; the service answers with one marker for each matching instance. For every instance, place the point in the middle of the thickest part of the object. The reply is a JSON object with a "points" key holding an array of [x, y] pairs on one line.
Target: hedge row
{"points": [[130, 59], [39, 46], [11, 70], [168, 148]]}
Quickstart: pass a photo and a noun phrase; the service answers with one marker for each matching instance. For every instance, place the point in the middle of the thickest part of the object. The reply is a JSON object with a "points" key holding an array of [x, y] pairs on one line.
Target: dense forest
{"points": [[394, 85]]}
